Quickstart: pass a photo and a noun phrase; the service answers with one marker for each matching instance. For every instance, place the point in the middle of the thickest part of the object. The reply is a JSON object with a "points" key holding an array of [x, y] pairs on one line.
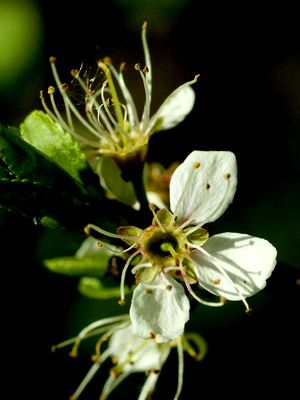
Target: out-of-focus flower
{"points": [[131, 354]]}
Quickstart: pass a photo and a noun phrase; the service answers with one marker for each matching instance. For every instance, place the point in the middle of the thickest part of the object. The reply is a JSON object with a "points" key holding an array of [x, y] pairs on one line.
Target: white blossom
{"points": [[111, 124], [176, 249]]}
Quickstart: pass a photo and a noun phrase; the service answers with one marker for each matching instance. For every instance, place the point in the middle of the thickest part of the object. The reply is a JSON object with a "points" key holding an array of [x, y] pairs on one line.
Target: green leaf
{"points": [[99, 289], [24, 161], [111, 180], [43, 133], [93, 265]]}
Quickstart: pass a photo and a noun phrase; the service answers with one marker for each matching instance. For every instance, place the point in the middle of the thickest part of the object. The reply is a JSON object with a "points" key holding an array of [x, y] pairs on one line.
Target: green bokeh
{"points": [[20, 39]]}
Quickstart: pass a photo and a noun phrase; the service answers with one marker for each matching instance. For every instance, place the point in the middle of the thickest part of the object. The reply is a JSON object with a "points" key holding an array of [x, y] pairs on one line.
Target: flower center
{"points": [[162, 244], [162, 248]]}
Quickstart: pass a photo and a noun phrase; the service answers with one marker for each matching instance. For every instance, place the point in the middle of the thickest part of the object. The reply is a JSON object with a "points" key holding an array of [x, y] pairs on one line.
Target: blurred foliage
{"points": [[21, 29]]}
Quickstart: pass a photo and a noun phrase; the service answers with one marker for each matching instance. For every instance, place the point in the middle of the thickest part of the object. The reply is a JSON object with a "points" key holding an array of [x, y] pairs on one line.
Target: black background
{"points": [[247, 101]]}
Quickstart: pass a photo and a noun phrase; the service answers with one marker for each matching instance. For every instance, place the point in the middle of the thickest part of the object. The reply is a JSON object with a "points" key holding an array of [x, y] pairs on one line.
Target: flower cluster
{"points": [[172, 258]]}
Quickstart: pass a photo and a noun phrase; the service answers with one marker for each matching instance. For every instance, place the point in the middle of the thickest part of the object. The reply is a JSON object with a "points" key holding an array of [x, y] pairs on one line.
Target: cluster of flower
{"points": [[174, 254]]}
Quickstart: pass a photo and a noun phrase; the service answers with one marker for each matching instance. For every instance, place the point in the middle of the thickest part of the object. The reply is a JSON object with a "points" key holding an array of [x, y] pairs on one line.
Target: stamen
{"points": [[198, 343], [148, 386], [140, 266], [123, 275], [96, 324], [113, 91], [111, 383], [98, 126], [130, 105], [68, 103], [146, 112], [193, 294], [147, 59], [91, 373], [180, 368], [105, 233]]}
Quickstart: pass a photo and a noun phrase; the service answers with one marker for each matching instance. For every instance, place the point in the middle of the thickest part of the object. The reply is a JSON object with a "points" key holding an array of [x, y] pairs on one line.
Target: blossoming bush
{"points": [[147, 238]]}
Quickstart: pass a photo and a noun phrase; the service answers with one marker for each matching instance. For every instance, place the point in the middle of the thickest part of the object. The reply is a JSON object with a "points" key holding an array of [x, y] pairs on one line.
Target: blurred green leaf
{"points": [[99, 289], [43, 133], [93, 265]]}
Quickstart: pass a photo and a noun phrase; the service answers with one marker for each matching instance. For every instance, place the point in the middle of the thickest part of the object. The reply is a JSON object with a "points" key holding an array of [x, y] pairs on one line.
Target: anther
{"points": [[227, 176], [169, 287], [122, 66], [41, 94], [216, 281], [99, 244], [51, 89], [197, 77], [74, 72], [148, 290], [196, 165], [73, 353], [207, 186], [53, 349], [249, 311], [52, 60], [152, 335], [122, 302], [65, 87], [137, 66], [106, 60], [145, 24], [87, 230], [145, 69], [109, 102]]}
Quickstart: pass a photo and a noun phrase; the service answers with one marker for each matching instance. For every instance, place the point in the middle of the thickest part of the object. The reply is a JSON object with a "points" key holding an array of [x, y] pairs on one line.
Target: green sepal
{"points": [[112, 181], [164, 216], [39, 130], [146, 274], [199, 237], [101, 289]]}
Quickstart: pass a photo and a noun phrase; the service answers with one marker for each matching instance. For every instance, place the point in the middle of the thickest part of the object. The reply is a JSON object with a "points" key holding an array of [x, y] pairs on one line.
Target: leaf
{"points": [[99, 289], [24, 161], [94, 265], [43, 133]]}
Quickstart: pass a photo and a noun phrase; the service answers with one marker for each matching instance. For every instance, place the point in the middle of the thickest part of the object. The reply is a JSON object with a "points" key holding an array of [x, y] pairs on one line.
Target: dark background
{"points": [[247, 101]]}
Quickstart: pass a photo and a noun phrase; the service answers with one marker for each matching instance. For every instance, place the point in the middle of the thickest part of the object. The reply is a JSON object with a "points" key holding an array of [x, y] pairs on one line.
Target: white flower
{"points": [[233, 266], [111, 125], [131, 354]]}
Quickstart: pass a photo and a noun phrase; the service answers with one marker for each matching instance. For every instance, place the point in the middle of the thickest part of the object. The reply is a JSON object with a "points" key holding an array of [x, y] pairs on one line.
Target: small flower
{"points": [[176, 248], [111, 125], [131, 354]]}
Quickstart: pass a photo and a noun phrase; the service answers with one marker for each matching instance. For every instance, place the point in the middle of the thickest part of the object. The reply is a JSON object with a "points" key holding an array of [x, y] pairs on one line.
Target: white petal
{"points": [[160, 309], [174, 109], [144, 355], [203, 186], [247, 260]]}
